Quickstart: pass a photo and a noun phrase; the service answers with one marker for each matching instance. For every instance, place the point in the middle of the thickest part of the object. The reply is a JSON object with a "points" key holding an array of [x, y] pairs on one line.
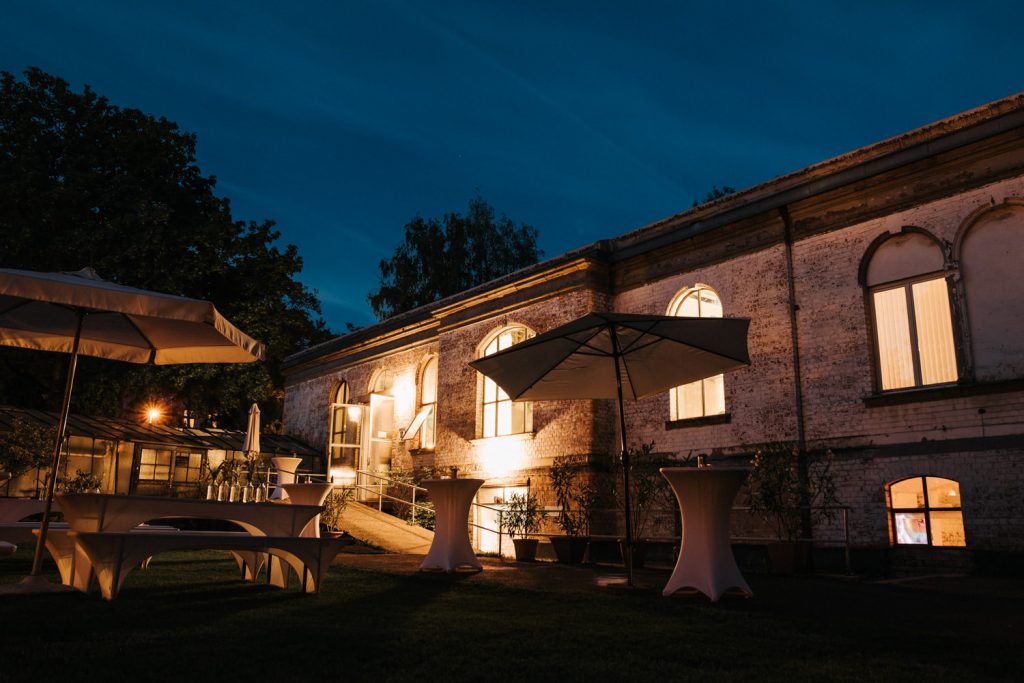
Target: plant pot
{"points": [[526, 549], [570, 549], [639, 553], [788, 557]]}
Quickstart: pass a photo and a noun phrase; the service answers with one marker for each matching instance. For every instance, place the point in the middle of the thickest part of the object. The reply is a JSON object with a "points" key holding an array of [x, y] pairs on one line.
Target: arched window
{"points": [[706, 396], [926, 511], [500, 415], [990, 258], [424, 424], [345, 435], [909, 300]]}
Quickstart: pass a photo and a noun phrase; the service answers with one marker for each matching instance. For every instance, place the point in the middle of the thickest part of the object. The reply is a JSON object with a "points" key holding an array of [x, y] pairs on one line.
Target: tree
{"points": [[84, 182], [714, 193], [443, 257]]}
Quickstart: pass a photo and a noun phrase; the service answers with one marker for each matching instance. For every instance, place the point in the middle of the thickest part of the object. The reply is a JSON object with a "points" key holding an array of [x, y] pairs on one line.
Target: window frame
{"points": [[906, 284], [675, 418], [482, 404], [925, 510]]}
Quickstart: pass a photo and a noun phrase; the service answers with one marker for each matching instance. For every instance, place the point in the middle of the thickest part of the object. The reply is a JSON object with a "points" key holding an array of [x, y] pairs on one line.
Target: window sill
{"points": [[522, 436], [421, 451], [686, 423], [941, 392]]}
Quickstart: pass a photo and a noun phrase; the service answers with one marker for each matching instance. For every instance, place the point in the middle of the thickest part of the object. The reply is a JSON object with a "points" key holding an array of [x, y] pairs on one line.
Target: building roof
{"points": [[919, 144], [125, 430]]}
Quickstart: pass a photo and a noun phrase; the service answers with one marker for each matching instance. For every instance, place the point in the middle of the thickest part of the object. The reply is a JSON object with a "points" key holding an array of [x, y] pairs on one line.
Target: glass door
{"points": [[490, 500]]}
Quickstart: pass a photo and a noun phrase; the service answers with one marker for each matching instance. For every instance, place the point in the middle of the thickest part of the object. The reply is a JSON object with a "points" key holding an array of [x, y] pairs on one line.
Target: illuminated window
{"points": [[155, 464], [428, 403], [706, 396], [345, 435], [187, 467], [926, 511], [913, 325], [500, 415]]}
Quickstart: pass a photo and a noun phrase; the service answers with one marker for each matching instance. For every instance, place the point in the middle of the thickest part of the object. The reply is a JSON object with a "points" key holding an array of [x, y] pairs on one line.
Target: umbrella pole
{"points": [[37, 559], [625, 462]]}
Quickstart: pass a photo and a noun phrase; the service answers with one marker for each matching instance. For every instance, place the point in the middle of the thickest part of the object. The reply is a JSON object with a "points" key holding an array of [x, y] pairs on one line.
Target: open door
{"points": [[346, 442], [379, 438]]}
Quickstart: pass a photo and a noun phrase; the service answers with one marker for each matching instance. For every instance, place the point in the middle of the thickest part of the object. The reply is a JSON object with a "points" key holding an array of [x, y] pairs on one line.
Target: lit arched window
{"points": [[909, 301], [500, 415], [926, 511], [706, 396], [424, 424], [345, 434]]}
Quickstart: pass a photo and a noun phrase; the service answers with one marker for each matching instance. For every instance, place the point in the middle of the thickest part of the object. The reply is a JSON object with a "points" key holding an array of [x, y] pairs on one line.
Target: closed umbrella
{"points": [[611, 355], [251, 447], [81, 314]]}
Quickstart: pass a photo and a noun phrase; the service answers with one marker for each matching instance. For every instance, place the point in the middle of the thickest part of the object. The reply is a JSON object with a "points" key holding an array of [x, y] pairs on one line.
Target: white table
{"points": [[17, 509], [309, 494], [451, 549], [706, 562], [286, 468]]}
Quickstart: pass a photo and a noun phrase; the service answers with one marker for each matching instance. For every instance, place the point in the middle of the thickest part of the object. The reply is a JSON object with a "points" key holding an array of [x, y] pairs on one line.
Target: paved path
{"points": [[385, 531]]}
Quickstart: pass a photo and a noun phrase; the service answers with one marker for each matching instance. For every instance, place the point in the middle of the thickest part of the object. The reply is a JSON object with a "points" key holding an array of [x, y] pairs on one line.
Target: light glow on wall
{"points": [[501, 456]]}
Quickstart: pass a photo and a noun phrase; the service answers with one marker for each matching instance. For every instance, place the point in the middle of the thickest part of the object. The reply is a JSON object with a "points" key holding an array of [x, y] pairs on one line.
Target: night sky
{"points": [[343, 120]]}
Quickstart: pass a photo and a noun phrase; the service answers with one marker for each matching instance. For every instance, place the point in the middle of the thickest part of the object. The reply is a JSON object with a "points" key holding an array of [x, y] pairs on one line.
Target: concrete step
{"points": [[386, 531]]}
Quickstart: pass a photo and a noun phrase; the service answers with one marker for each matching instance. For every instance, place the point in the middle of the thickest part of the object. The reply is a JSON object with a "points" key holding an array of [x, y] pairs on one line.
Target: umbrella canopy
{"points": [[41, 310], [609, 355], [80, 313], [596, 355], [252, 432]]}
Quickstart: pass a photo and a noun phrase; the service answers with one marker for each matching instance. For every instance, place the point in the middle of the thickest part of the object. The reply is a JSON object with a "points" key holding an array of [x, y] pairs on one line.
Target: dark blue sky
{"points": [[342, 120]]}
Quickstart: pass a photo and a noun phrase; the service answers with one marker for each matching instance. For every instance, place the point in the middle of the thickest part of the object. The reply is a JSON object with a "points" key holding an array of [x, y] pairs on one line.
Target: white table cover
{"points": [[451, 548]]}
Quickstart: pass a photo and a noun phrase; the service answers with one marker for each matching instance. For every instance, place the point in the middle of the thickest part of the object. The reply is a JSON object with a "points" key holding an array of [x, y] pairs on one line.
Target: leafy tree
{"points": [[26, 445], [714, 193], [84, 182], [443, 257]]}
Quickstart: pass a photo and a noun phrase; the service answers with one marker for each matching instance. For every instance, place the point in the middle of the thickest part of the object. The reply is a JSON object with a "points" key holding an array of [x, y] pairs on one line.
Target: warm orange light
{"points": [[152, 414]]}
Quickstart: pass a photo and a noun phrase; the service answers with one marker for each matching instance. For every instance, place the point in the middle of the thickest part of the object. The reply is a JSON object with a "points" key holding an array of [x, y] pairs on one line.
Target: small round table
{"points": [[706, 562], [451, 549], [286, 468]]}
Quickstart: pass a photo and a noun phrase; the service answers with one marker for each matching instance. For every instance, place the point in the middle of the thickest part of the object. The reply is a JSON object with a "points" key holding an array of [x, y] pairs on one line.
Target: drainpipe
{"points": [[798, 393]]}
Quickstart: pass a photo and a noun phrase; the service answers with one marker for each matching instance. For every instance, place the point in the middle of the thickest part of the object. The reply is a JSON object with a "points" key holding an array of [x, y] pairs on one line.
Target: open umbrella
{"points": [[607, 355], [82, 314]]}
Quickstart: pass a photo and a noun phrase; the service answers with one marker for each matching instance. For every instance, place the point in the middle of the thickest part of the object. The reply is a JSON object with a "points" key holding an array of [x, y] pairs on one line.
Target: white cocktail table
{"points": [[706, 562], [451, 548]]}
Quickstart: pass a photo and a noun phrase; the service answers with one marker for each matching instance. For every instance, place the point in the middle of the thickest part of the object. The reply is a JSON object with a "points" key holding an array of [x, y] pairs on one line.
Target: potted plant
{"points": [[520, 517], [783, 498], [576, 500], [334, 505], [649, 493]]}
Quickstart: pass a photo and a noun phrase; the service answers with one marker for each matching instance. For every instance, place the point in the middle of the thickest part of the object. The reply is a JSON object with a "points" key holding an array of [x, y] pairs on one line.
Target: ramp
{"points": [[384, 530]]}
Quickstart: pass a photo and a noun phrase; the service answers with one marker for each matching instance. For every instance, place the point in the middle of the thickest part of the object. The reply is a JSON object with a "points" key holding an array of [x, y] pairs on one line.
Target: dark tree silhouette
{"points": [[443, 257], [714, 193], [86, 183]]}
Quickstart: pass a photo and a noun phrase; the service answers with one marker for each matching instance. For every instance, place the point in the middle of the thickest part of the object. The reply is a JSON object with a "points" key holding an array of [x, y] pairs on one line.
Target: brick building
{"points": [[886, 326]]}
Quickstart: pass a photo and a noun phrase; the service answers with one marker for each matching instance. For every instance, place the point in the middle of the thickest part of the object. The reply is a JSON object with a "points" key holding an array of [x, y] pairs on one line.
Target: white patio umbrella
{"points": [[604, 355], [81, 314]]}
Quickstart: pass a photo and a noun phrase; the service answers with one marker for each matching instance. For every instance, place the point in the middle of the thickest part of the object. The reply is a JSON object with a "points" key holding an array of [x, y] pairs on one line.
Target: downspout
{"points": [[798, 392]]}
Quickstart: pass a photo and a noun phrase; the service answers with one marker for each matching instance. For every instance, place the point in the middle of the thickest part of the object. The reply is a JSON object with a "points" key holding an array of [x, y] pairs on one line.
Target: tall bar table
{"points": [[451, 549], [706, 562]]}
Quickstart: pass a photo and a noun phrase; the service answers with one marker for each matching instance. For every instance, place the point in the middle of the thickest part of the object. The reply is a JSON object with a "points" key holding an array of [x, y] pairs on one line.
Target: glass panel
{"points": [[948, 529], [691, 401], [689, 306], [341, 396], [710, 304], [908, 493], [490, 420], [942, 493], [428, 393], [504, 417], [934, 331], [427, 435], [490, 391], [518, 418], [714, 395], [527, 416], [910, 528], [892, 329]]}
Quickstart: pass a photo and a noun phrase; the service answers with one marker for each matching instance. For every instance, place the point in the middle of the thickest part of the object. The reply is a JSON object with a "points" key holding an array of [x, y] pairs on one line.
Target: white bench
{"points": [[114, 555]]}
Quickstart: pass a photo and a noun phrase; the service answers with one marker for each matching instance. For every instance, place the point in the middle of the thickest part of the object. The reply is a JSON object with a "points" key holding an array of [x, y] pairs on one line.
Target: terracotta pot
{"points": [[570, 549], [526, 549]]}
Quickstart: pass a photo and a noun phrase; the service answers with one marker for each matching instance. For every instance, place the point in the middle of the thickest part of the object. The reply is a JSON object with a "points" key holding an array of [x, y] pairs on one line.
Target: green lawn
{"points": [[189, 617]]}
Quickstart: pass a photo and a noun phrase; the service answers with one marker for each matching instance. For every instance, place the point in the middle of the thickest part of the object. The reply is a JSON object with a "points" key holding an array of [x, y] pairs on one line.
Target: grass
{"points": [[189, 617]]}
